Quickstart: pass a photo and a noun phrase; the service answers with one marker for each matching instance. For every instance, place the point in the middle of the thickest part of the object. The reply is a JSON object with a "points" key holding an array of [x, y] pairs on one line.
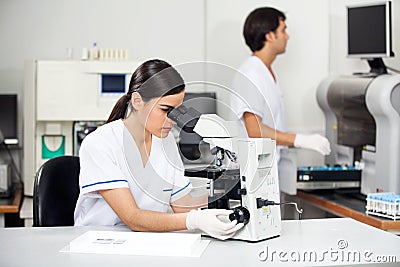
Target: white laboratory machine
{"points": [[362, 115], [62, 95]]}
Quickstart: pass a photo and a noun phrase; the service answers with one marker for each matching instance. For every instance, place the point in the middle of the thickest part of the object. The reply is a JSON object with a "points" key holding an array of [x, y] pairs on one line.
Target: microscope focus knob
{"points": [[240, 214]]}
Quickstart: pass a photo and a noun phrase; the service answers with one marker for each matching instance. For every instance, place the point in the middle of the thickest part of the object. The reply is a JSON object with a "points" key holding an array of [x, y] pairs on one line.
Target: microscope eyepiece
{"points": [[185, 118], [175, 113]]}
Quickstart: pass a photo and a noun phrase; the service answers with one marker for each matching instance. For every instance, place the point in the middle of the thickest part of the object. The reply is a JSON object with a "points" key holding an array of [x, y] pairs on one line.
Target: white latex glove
{"points": [[315, 142], [207, 221]]}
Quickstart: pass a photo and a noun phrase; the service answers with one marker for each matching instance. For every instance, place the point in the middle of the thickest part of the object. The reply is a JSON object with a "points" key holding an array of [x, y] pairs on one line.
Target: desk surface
{"points": [[348, 207], [11, 205], [41, 246]]}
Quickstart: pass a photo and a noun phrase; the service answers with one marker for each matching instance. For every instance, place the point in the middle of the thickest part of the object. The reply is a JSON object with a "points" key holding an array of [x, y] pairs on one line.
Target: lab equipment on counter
{"points": [[66, 99], [384, 205], [328, 177], [362, 116], [245, 170], [361, 111]]}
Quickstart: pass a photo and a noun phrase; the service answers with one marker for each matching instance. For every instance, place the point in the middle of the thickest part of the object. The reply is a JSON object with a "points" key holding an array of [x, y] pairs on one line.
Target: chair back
{"points": [[55, 192]]}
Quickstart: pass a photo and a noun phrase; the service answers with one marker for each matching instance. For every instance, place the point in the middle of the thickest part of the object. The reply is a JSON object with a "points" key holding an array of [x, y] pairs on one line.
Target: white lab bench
{"points": [[328, 239]]}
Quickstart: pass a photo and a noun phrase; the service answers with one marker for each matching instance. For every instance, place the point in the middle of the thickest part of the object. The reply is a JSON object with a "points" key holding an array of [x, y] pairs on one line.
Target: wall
{"points": [[148, 29]]}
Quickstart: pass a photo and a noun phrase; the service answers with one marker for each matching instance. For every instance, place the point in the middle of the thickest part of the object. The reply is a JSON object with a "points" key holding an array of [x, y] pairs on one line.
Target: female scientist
{"points": [[131, 170]]}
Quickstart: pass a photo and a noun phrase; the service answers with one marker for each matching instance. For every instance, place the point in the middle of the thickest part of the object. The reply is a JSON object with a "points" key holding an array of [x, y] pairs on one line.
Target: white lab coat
{"points": [[256, 91], [110, 159]]}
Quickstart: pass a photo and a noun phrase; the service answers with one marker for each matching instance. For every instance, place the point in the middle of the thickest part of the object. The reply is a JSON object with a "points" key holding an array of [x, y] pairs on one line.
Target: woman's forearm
{"points": [[152, 221], [124, 205]]}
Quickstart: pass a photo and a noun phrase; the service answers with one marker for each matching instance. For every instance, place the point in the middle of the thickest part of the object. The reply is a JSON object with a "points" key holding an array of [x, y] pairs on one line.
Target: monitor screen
{"points": [[8, 117], [113, 83], [369, 30]]}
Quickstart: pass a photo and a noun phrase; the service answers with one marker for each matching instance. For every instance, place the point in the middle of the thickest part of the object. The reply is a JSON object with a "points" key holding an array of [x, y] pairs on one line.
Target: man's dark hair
{"points": [[258, 23]]}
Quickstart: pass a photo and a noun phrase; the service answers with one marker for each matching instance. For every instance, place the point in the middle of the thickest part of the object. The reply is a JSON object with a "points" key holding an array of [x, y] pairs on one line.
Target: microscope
{"points": [[244, 177]]}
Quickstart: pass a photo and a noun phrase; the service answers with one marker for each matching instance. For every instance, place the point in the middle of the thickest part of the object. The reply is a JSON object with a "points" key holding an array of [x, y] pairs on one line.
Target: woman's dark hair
{"points": [[154, 78], [258, 23]]}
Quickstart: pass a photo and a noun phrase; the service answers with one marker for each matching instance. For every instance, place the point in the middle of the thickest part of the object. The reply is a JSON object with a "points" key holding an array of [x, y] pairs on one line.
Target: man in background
{"points": [[258, 99]]}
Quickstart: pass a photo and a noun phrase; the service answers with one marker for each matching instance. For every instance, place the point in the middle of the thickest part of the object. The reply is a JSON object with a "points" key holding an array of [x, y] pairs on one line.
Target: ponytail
{"points": [[154, 78], [119, 110]]}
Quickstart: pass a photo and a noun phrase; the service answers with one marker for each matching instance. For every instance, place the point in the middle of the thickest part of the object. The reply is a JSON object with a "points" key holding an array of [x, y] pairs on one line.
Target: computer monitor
{"points": [[190, 144], [8, 118], [113, 84], [369, 33]]}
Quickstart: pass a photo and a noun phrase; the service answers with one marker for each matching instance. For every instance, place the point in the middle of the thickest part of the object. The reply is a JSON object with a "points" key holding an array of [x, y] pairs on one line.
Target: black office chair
{"points": [[56, 191]]}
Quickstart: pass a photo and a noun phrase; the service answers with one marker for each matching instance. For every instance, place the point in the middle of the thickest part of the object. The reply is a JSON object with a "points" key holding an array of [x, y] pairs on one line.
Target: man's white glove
{"points": [[207, 221], [315, 142]]}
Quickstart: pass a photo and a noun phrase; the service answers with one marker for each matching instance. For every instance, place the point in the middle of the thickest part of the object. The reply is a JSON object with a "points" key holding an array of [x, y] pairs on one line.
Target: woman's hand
{"points": [[207, 221]]}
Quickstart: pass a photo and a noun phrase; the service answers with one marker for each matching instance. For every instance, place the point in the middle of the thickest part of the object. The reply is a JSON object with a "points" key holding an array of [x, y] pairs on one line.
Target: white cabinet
{"points": [[71, 90], [58, 93]]}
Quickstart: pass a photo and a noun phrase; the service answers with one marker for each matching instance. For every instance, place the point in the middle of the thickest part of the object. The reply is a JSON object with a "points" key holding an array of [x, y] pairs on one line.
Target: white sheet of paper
{"points": [[138, 243]]}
